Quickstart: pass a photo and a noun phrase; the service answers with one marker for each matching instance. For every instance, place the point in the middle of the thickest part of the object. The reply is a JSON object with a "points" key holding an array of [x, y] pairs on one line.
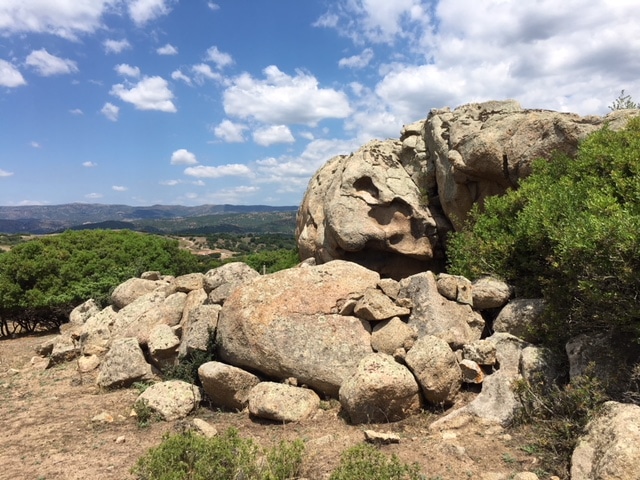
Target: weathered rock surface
{"points": [[123, 364], [367, 208], [433, 314], [220, 282], [455, 287], [390, 335], [227, 386], [609, 450], [489, 292], [132, 289], [380, 390], [436, 368], [282, 403], [519, 317], [172, 400], [163, 345], [196, 332], [375, 305], [274, 325]]}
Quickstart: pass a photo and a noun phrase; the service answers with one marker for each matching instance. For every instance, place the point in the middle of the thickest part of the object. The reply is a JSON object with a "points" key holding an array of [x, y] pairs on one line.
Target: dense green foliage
{"points": [[366, 462], [570, 233], [43, 279], [188, 456]]}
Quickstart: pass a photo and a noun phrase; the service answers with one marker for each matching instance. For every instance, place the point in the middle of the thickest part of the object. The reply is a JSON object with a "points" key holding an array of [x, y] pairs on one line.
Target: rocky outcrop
{"points": [[390, 205], [609, 450]]}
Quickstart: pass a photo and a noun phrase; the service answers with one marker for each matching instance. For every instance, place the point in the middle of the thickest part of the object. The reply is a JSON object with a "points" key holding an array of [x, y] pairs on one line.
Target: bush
{"points": [[568, 233], [366, 462], [189, 456], [42, 280], [558, 416]]}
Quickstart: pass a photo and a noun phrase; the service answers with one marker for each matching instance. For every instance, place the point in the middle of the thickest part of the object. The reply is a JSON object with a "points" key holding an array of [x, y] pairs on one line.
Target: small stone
{"points": [[207, 430], [121, 439], [103, 417], [448, 435], [386, 438]]}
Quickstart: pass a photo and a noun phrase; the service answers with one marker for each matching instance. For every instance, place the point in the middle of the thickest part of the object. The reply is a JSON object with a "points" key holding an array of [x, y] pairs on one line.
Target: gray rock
{"points": [[433, 314], [390, 335], [197, 332], [381, 390], [64, 349], [123, 365], [225, 385], [519, 316], [609, 449], [282, 403], [282, 325], [83, 312], [95, 334], [489, 292], [436, 368], [483, 352], [172, 400], [456, 288]]}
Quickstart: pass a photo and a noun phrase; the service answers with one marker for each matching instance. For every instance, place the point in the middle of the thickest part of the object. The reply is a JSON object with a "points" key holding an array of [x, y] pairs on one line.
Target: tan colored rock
{"points": [[87, 363], [132, 289], [206, 429], [391, 335], [609, 450], [225, 385], [172, 400], [283, 325], [374, 305], [489, 292], [282, 403], [380, 391], [519, 317], [471, 372], [123, 365], [187, 283], [456, 288], [198, 330]]}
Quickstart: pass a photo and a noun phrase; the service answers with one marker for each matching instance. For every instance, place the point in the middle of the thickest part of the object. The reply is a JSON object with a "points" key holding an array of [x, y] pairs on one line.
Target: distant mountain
{"points": [[42, 219]]}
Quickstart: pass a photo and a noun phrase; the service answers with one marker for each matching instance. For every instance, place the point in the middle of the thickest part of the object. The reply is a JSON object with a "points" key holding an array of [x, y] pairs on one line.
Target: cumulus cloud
{"points": [[183, 157], [357, 61], [273, 134], [76, 111], [110, 111], [116, 46], [89, 164], [66, 19], [178, 75], [213, 6], [119, 188], [170, 183], [220, 59], [150, 93], [10, 76], [47, 65], [230, 132], [280, 99], [229, 170], [168, 49], [127, 70], [143, 11], [4, 173]]}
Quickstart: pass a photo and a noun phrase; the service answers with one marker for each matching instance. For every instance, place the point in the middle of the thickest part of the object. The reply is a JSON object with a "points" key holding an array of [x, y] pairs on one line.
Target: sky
{"points": [[191, 102]]}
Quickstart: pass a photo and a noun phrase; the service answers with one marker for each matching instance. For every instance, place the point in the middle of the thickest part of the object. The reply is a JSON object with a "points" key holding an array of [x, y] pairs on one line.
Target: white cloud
{"points": [[357, 61], [229, 170], [273, 134], [221, 59], [143, 11], [168, 49], [89, 164], [127, 70], [10, 76], [35, 144], [150, 93], [93, 196], [213, 6], [47, 65], [116, 46], [4, 173], [119, 188], [183, 157], [110, 111], [178, 75], [76, 111], [203, 71], [63, 18], [230, 132], [281, 99], [170, 183]]}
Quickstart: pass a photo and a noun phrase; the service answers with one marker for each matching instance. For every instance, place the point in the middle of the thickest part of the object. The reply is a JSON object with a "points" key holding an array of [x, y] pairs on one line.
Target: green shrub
{"points": [[568, 233], [189, 456], [187, 368], [366, 462], [558, 416]]}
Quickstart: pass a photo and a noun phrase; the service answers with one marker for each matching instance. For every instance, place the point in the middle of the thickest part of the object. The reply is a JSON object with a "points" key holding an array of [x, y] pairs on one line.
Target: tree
{"points": [[623, 102]]}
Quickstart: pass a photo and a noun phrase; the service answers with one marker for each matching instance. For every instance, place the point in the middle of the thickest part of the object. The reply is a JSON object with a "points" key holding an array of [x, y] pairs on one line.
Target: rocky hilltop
{"points": [[368, 319]]}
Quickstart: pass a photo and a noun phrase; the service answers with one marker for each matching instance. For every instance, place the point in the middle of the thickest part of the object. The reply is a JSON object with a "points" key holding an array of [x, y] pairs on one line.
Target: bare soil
{"points": [[47, 431]]}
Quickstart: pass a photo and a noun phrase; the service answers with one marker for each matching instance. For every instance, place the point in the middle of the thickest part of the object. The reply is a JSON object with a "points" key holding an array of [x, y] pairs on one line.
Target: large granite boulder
{"points": [[171, 400], [287, 325], [366, 208], [282, 403]]}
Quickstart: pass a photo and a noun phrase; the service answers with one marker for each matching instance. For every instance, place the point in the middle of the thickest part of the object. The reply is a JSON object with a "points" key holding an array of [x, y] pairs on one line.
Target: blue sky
{"points": [[193, 102]]}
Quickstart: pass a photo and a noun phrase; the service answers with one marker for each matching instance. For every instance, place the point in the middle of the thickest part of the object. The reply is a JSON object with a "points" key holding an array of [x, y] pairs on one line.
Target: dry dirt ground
{"points": [[47, 432]]}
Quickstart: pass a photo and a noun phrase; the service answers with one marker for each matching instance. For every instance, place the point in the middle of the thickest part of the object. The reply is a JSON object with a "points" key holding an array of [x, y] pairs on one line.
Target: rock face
{"points": [[390, 205], [609, 450], [274, 325], [123, 364]]}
